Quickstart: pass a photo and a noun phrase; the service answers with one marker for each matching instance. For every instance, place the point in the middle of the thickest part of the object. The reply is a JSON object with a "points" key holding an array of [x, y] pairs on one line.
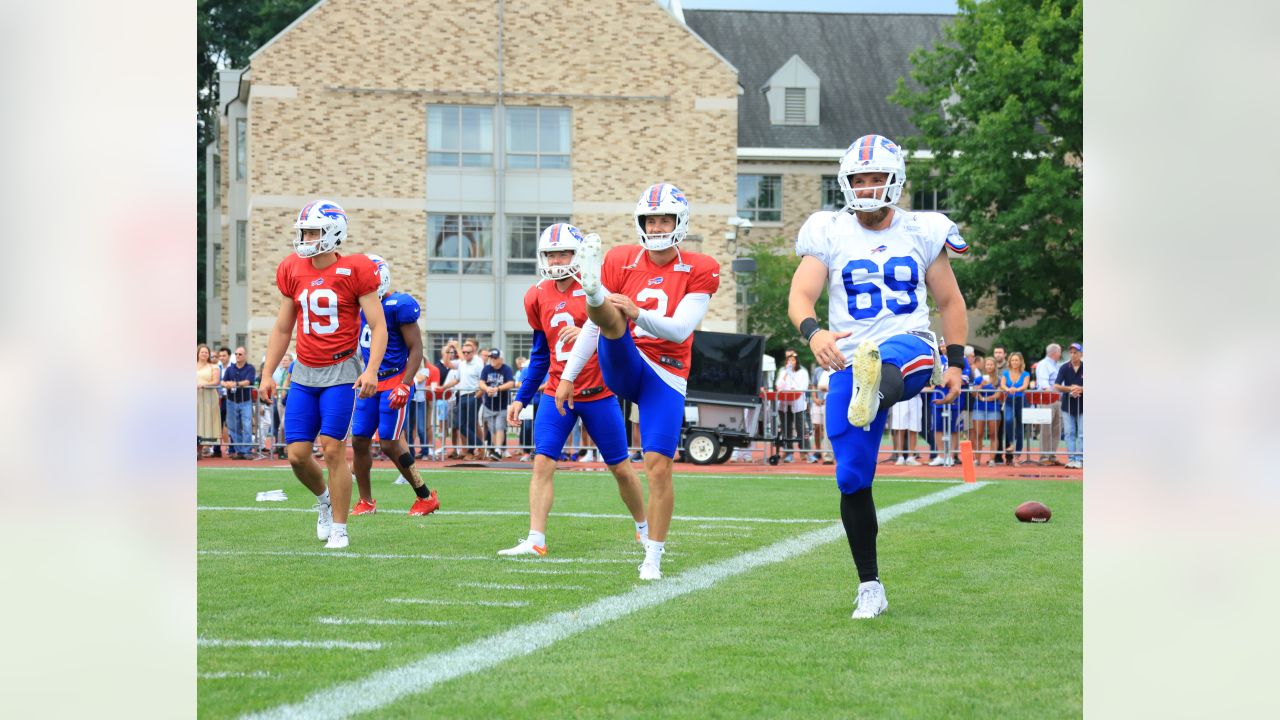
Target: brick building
{"points": [[453, 132]]}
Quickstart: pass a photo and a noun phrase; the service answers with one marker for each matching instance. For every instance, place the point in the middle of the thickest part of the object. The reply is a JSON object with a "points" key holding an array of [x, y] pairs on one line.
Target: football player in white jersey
{"points": [[876, 261]]}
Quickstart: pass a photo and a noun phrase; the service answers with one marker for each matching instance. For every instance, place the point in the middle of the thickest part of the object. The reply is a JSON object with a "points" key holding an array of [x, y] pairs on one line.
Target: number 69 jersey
{"points": [[550, 311], [328, 305], [876, 277]]}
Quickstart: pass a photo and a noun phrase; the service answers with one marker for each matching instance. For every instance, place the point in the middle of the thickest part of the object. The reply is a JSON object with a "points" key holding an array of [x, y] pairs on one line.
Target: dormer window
{"points": [[793, 93]]}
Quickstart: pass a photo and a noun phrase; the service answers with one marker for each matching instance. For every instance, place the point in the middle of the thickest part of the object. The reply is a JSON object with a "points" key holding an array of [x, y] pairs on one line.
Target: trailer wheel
{"points": [[774, 459], [726, 452], [701, 448]]}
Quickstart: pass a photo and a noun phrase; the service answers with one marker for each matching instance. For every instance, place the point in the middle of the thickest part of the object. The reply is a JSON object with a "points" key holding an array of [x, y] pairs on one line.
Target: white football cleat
{"points": [[590, 257], [649, 570], [337, 541], [866, 384], [525, 547], [324, 523], [939, 460], [871, 600]]}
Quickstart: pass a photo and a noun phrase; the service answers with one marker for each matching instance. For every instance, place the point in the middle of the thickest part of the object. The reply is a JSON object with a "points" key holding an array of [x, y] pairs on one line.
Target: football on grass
{"points": [[1032, 511]]}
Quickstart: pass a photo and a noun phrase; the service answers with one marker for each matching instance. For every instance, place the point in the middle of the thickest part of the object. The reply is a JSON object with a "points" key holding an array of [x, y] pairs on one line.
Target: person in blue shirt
{"points": [[1014, 381], [496, 381], [238, 379], [385, 412]]}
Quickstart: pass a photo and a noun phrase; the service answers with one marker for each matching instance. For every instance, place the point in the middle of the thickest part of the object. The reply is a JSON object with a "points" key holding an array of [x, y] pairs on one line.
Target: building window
{"points": [[242, 147], [437, 340], [460, 244], [832, 197], [522, 241], [242, 341], [518, 345], [537, 137], [935, 200], [217, 270], [242, 251], [459, 136], [760, 197], [217, 180]]}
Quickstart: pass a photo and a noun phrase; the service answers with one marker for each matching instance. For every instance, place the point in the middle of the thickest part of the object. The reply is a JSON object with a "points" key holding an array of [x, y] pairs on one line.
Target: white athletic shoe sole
{"points": [[866, 384], [590, 257], [871, 601], [524, 547], [324, 522], [337, 542], [649, 571]]}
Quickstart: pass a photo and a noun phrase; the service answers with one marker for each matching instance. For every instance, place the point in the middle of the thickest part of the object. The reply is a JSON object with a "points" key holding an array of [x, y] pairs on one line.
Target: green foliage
{"points": [[1001, 107], [227, 33], [771, 288]]}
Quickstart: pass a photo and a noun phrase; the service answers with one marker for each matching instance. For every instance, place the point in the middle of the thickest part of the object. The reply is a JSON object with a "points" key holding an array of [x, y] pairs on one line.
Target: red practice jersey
{"points": [[660, 288], [328, 305], [550, 310]]}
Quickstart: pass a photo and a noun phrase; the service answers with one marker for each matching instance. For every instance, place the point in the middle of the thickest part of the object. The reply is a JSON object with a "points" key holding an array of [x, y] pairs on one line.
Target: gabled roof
{"points": [[858, 58]]}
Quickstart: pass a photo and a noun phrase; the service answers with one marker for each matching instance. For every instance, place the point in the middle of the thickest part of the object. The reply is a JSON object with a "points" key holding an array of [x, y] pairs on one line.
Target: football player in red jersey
{"points": [[557, 310], [646, 300], [324, 292]]}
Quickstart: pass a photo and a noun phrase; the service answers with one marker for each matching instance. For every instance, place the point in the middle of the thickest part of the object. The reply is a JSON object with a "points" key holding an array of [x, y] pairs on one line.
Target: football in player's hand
{"points": [[1032, 511]]}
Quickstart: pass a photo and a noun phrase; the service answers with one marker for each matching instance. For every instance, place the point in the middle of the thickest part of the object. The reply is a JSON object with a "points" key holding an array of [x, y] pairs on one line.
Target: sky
{"points": [[947, 7]]}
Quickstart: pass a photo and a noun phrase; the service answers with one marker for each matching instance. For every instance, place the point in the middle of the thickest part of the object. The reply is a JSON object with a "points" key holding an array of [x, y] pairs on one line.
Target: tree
{"points": [[1000, 104], [227, 33], [770, 290]]}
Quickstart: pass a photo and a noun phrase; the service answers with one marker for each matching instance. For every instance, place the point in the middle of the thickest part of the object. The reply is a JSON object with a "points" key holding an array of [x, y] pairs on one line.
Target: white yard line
{"points": [[379, 621], [384, 474], [386, 686], [266, 643], [226, 675], [503, 586], [476, 603], [549, 571], [405, 556], [525, 513]]}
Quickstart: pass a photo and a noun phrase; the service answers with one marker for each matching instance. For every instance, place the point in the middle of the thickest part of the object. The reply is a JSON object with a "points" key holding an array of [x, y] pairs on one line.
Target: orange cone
{"points": [[966, 461]]}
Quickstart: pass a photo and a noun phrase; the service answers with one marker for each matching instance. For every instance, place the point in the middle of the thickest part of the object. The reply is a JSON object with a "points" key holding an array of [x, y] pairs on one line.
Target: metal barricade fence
{"points": [[1033, 428]]}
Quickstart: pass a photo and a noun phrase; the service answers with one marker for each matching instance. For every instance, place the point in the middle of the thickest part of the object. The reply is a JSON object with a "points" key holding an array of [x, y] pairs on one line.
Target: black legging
{"points": [[793, 427]]}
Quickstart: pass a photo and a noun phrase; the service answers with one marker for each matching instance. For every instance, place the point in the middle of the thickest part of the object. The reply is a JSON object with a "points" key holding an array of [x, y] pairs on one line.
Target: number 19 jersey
{"points": [[550, 311], [876, 277], [328, 305]]}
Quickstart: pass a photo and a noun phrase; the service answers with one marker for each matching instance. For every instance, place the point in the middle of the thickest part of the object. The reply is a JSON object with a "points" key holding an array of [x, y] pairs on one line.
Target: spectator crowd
{"points": [[458, 410]]}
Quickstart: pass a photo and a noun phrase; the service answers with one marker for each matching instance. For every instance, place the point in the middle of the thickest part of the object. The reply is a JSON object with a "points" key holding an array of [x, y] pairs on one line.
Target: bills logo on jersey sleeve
{"points": [[955, 242]]}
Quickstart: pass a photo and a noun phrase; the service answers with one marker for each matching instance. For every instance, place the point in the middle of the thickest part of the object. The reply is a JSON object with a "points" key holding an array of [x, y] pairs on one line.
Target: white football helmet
{"points": [[873, 154], [559, 236], [662, 199], [384, 274], [324, 215]]}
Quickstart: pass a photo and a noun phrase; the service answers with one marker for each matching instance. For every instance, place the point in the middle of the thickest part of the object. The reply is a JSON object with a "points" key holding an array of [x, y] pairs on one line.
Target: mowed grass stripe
{"points": [[387, 686], [593, 516]]}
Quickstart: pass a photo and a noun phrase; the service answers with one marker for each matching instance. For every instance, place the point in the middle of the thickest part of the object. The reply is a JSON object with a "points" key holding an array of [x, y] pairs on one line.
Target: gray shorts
{"points": [[494, 420]]}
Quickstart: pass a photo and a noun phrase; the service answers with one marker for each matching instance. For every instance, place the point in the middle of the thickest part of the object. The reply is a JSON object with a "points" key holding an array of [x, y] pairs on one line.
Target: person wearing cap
{"points": [[1070, 382], [1045, 372], [496, 380]]}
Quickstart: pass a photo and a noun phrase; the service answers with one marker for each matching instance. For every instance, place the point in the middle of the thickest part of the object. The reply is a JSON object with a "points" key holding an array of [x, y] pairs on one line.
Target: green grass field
{"points": [[984, 620]]}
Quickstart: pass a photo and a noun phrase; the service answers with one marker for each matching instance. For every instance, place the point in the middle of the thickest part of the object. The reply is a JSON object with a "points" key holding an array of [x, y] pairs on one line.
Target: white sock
{"points": [[537, 538], [324, 497], [597, 299], [653, 550], [642, 527], [339, 529]]}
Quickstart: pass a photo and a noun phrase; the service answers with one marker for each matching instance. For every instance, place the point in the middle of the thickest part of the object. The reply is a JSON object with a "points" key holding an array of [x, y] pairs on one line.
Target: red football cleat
{"points": [[365, 507], [425, 506]]}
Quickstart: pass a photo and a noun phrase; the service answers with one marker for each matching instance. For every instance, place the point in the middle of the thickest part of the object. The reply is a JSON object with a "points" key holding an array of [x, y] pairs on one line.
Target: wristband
{"points": [[808, 328], [955, 356]]}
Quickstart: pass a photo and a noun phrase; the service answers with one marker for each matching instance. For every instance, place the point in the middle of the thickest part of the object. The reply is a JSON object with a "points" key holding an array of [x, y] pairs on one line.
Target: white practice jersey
{"points": [[876, 277]]}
